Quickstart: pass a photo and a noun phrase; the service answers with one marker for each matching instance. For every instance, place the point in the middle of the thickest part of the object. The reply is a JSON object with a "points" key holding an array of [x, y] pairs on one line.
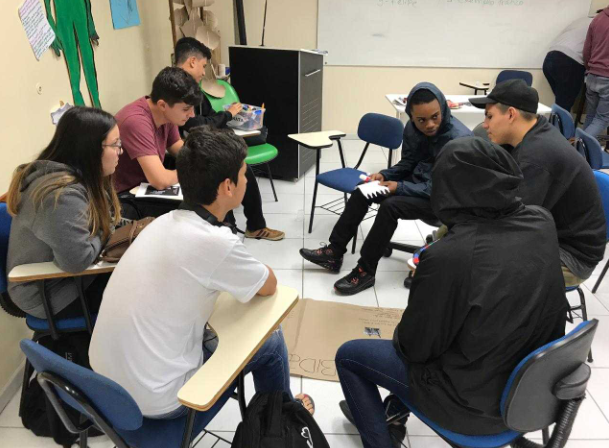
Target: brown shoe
{"points": [[265, 234]]}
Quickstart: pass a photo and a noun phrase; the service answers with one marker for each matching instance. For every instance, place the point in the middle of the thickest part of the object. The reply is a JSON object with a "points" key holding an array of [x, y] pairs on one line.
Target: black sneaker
{"points": [[355, 282], [324, 257]]}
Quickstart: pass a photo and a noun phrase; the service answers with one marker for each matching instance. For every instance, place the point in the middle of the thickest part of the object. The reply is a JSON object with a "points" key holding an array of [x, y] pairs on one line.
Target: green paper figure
{"points": [[74, 29]]}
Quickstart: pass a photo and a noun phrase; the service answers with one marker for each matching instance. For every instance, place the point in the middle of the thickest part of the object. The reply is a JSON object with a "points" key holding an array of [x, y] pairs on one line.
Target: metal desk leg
{"points": [[190, 422], [241, 394], [315, 190]]}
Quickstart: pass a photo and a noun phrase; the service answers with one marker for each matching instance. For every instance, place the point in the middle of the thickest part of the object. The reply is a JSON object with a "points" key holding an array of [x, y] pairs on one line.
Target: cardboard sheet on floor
{"points": [[315, 329]]}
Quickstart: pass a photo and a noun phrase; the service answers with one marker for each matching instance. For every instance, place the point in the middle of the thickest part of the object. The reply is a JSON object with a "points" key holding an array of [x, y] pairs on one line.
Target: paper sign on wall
{"points": [[37, 28]]}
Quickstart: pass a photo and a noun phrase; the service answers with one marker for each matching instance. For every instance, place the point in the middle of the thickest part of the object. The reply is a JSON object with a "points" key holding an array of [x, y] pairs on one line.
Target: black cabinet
{"points": [[289, 83]]}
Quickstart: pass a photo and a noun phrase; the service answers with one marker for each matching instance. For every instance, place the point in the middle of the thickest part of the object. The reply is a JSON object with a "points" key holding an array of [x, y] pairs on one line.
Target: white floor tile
{"points": [[426, 441], [600, 345], [276, 254], [344, 441], [281, 186], [390, 290], [291, 278], [288, 203], [598, 389], [292, 224], [593, 305], [210, 441], [319, 285], [10, 416], [327, 395], [23, 438]]}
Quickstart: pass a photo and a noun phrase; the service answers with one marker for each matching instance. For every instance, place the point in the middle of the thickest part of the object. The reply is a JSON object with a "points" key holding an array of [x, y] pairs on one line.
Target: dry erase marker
{"points": [[365, 178]]}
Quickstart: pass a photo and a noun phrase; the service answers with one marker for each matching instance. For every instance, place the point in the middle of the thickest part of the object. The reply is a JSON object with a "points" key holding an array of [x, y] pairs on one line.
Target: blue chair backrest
{"points": [[5, 230], [515, 74], [563, 120], [528, 402], [592, 149], [108, 398], [381, 130], [602, 181]]}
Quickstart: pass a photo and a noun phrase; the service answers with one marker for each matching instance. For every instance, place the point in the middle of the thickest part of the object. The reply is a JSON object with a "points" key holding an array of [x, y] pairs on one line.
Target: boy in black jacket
{"points": [[484, 297], [192, 57], [555, 175]]}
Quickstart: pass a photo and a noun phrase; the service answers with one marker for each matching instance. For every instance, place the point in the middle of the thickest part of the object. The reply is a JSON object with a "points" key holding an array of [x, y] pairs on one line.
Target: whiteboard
{"points": [[443, 33]]}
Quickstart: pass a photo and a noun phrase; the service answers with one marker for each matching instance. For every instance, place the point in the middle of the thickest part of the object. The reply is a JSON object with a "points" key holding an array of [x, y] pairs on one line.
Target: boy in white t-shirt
{"points": [[149, 332]]}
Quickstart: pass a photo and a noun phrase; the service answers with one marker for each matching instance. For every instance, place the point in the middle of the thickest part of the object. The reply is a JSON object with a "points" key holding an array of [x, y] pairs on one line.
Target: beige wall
{"points": [[126, 62], [349, 92]]}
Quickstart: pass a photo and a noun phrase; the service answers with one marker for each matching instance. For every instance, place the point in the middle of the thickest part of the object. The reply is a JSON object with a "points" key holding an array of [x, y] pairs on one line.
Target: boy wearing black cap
{"points": [[555, 175]]}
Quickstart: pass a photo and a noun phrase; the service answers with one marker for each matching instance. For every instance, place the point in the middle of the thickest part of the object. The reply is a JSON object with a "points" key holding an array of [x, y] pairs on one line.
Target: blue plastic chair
{"points": [[104, 403], [562, 119], [546, 387], [376, 129], [41, 327], [515, 74], [592, 150], [602, 180]]}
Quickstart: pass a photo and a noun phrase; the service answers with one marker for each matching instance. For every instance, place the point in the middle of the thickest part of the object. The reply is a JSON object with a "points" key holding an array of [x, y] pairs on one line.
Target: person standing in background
{"points": [[564, 64], [596, 60]]}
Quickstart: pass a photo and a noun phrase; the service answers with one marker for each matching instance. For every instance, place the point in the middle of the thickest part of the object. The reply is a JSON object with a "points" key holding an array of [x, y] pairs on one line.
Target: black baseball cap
{"points": [[513, 92]]}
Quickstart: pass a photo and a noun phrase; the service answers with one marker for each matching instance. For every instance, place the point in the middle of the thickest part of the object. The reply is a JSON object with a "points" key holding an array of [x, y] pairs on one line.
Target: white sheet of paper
{"points": [[372, 189], [37, 28]]}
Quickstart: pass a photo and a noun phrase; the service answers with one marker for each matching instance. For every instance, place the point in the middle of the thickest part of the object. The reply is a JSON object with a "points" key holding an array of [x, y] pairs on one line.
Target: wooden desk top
{"points": [[242, 328], [47, 270], [317, 140]]}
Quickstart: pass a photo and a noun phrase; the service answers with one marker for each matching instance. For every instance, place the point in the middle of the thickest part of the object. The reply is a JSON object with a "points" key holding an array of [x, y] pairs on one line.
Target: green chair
{"points": [[256, 155]]}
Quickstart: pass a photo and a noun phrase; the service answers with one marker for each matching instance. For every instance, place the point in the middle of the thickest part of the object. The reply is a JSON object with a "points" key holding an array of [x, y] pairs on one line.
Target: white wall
{"points": [[349, 92]]}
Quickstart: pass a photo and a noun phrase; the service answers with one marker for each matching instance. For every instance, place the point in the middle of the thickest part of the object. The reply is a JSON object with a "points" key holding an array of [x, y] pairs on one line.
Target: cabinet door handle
{"points": [[313, 73]]}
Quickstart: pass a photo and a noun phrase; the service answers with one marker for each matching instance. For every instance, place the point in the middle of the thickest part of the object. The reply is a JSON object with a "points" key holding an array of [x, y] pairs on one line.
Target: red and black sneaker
{"points": [[324, 257], [355, 282]]}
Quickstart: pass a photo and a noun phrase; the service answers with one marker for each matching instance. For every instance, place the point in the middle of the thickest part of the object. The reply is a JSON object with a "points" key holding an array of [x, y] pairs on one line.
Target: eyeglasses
{"points": [[118, 146]]}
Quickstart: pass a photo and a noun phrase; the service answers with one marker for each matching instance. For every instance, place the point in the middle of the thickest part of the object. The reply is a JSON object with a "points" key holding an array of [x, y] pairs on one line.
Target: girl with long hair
{"points": [[64, 209]]}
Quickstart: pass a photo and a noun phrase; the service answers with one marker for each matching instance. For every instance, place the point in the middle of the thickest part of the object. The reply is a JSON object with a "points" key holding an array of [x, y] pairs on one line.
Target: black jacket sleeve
{"points": [[205, 115]]}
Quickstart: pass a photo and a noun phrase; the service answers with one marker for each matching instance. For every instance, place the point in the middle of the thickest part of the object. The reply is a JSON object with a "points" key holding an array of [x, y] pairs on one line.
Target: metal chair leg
{"points": [[354, 241], [545, 435], [582, 301], [268, 170], [600, 279], [313, 207]]}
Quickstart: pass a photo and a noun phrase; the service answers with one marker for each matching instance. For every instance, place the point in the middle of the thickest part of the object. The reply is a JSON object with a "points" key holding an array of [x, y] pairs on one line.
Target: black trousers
{"points": [[566, 77], [133, 208], [391, 210]]}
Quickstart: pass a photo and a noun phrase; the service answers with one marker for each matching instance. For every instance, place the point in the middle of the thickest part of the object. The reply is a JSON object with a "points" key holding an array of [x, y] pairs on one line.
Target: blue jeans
{"points": [[362, 366], [269, 366], [597, 100]]}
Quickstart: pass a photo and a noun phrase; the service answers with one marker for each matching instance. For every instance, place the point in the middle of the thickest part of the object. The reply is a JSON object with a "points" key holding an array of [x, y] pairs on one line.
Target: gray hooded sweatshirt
{"points": [[56, 232]]}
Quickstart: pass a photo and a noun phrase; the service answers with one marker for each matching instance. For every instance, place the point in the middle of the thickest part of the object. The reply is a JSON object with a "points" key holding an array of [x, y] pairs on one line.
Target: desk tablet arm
{"points": [[41, 272]]}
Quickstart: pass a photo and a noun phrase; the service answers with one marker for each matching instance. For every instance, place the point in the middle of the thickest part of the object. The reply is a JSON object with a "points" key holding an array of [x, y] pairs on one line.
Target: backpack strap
{"points": [[274, 414]]}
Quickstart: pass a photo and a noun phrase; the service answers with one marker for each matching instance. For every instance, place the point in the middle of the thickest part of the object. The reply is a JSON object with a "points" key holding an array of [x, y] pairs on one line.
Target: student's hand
{"points": [[393, 186], [235, 108], [377, 176]]}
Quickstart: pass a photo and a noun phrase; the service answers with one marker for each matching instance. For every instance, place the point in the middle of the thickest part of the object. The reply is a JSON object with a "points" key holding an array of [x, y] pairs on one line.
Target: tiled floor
{"points": [[291, 214]]}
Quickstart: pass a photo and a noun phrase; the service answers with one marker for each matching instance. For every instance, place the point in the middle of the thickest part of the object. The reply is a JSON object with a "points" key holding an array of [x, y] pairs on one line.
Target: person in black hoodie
{"points": [[483, 297], [192, 57], [555, 175], [430, 127]]}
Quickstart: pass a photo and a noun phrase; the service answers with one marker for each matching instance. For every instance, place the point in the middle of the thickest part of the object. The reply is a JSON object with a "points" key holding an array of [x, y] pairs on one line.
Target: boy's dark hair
{"points": [[422, 96], [188, 47], [208, 158], [173, 85]]}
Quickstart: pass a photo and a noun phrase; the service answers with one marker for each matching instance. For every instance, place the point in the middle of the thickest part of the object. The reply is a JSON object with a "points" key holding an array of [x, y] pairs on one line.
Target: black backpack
{"points": [[272, 420], [37, 413]]}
